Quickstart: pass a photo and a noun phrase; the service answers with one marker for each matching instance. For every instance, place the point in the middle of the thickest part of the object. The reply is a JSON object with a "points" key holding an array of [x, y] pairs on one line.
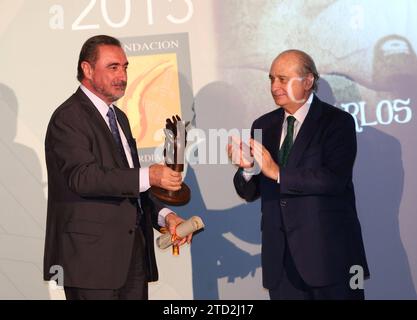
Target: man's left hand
{"points": [[171, 222], [262, 156]]}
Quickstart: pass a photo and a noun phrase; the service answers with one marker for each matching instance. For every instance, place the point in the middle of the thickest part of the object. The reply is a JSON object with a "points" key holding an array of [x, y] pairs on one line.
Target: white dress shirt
{"points": [[299, 116], [144, 184]]}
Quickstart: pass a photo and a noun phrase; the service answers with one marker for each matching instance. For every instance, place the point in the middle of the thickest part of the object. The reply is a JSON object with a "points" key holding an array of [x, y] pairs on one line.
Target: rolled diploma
{"points": [[184, 229]]}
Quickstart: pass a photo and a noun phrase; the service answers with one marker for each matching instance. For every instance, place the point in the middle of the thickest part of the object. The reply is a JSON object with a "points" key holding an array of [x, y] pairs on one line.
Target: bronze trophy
{"points": [[174, 153]]}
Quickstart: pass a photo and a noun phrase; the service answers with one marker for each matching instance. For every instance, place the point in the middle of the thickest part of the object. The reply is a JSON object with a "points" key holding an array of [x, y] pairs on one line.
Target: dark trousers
{"points": [[293, 287], [135, 287]]}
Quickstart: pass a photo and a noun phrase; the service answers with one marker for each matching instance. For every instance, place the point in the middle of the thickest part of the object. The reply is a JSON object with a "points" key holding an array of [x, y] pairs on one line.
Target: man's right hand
{"points": [[239, 152], [164, 177]]}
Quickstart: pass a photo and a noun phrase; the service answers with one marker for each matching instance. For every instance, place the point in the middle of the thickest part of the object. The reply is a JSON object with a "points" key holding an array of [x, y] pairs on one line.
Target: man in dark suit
{"points": [[100, 212], [311, 236]]}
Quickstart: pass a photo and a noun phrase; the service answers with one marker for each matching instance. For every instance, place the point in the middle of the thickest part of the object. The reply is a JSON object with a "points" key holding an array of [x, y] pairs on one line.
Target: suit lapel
{"points": [[130, 140], [272, 136], [307, 130], [134, 152], [101, 125]]}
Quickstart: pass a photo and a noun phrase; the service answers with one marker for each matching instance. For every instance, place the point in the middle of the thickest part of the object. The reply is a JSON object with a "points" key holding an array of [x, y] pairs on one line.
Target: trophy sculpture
{"points": [[174, 153]]}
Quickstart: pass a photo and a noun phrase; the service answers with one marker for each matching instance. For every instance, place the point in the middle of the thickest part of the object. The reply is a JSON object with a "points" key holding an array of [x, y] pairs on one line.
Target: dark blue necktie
{"points": [[116, 133], [284, 152]]}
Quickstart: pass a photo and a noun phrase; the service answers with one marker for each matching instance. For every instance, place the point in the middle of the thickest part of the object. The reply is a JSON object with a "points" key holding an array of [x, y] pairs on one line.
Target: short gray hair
{"points": [[307, 64]]}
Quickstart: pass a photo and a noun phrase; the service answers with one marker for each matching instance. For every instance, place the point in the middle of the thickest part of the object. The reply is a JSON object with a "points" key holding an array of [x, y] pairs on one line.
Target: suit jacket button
{"points": [[283, 203], [131, 231]]}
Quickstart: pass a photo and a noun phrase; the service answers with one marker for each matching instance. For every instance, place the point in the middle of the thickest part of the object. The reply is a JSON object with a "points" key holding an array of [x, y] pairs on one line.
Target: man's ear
{"points": [[87, 69], [308, 84]]}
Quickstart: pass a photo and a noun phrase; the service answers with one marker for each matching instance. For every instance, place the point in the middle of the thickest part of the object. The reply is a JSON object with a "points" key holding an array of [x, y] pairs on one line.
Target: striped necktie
{"points": [[116, 133]]}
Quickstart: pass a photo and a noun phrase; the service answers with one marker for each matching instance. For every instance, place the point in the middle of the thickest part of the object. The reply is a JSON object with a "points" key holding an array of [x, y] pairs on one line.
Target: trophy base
{"points": [[173, 198]]}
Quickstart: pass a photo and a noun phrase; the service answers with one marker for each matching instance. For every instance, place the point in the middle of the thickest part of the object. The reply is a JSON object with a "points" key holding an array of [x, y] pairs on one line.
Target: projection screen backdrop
{"points": [[208, 60]]}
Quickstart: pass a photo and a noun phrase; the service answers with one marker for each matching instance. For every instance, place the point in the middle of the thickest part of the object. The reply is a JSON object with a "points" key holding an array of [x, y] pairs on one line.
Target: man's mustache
{"points": [[120, 84]]}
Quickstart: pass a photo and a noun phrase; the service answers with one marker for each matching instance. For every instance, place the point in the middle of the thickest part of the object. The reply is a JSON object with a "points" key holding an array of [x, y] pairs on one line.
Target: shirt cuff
{"points": [[144, 179], [246, 174], [161, 216], [278, 178]]}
